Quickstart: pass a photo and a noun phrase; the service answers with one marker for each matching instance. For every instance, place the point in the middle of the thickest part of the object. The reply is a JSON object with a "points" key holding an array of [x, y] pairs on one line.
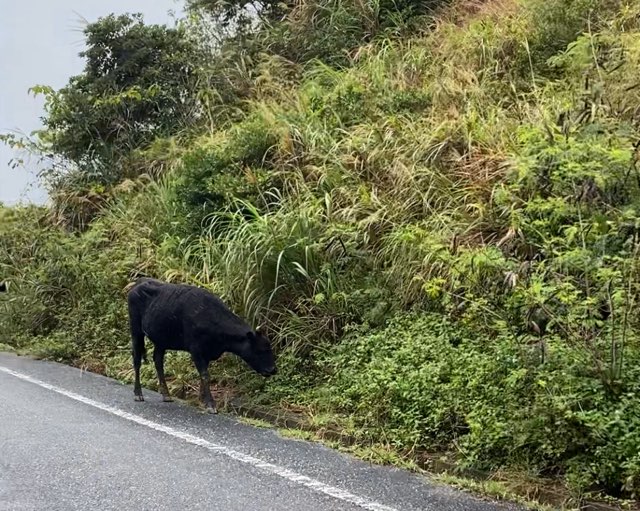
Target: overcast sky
{"points": [[39, 44]]}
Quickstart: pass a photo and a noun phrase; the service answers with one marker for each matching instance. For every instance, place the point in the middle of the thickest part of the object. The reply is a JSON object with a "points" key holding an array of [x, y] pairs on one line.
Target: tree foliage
{"points": [[138, 84]]}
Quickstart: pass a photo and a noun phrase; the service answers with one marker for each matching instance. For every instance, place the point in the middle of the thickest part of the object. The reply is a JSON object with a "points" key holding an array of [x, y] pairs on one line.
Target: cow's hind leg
{"points": [[205, 388], [137, 351], [158, 359]]}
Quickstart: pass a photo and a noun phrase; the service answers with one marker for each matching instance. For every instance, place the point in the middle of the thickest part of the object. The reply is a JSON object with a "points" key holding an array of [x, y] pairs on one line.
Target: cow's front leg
{"points": [[205, 387]]}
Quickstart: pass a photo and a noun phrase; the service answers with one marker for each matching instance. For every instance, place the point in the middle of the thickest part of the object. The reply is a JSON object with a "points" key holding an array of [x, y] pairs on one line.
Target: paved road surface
{"points": [[73, 440]]}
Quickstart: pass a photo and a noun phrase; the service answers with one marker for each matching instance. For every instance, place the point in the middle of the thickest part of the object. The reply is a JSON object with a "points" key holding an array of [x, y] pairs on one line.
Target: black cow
{"points": [[188, 318], [3, 287]]}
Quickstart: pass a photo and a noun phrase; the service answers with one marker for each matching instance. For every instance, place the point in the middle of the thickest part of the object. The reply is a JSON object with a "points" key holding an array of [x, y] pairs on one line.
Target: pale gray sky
{"points": [[39, 44]]}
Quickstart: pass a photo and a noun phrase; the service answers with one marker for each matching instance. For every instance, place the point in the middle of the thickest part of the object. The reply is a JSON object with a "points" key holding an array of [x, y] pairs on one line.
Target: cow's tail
{"points": [[137, 334], [144, 353], [137, 346]]}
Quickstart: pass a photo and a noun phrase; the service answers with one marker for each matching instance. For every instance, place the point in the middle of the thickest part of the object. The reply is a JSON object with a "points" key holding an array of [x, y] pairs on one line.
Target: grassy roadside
{"points": [[526, 490], [299, 423]]}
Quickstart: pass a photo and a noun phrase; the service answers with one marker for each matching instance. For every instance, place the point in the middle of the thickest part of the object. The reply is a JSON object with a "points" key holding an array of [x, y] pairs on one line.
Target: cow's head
{"points": [[256, 351]]}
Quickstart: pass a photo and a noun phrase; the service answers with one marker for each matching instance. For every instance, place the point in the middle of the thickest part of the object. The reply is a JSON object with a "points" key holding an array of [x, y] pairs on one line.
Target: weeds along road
{"points": [[74, 440]]}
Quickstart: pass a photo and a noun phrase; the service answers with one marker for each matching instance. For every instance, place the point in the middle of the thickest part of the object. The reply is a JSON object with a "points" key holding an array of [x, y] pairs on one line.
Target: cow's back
{"points": [[145, 293], [157, 307]]}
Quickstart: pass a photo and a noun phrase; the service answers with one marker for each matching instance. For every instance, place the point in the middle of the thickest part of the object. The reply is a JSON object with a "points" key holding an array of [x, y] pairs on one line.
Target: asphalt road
{"points": [[75, 440]]}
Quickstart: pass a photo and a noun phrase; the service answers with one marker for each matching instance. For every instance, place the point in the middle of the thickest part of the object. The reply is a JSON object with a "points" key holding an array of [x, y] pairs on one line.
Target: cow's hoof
{"points": [[212, 409], [167, 399], [138, 398]]}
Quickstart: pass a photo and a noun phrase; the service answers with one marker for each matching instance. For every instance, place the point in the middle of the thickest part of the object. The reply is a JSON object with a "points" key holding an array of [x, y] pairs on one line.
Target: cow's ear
{"points": [[251, 335]]}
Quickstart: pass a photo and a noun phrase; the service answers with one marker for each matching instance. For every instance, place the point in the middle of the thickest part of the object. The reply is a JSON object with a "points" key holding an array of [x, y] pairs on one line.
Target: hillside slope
{"points": [[434, 209]]}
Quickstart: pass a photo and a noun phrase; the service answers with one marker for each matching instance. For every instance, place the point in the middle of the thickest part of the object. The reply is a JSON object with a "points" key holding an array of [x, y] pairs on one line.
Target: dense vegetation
{"points": [[433, 207]]}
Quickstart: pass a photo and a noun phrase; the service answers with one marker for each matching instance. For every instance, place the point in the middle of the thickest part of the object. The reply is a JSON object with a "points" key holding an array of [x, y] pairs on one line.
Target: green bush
{"points": [[425, 382], [213, 178], [557, 23]]}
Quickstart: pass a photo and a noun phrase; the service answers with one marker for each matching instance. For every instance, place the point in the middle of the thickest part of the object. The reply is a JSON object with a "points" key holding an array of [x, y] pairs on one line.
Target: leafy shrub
{"points": [[212, 178], [425, 382], [557, 23]]}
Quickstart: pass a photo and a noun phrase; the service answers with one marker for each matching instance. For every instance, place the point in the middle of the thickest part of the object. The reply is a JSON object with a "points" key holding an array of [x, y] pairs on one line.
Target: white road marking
{"points": [[285, 473]]}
